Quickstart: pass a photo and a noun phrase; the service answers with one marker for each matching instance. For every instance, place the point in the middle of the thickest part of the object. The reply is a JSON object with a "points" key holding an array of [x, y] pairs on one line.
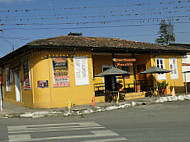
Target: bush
{"points": [[162, 85]]}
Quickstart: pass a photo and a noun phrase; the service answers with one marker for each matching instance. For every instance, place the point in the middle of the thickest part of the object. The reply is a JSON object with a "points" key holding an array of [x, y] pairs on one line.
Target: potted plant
{"points": [[162, 87]]}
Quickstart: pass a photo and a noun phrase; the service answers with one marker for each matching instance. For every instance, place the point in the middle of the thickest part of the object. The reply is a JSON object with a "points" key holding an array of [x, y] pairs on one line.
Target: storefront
{"points": [[47, 73]]}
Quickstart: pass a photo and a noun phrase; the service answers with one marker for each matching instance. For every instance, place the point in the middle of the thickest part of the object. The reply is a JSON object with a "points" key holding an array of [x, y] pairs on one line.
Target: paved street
{"points": [[166, 122]]}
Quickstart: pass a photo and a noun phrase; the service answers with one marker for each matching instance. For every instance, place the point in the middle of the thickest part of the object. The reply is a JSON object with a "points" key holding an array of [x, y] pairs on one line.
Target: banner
{"points": [[60, 72]]}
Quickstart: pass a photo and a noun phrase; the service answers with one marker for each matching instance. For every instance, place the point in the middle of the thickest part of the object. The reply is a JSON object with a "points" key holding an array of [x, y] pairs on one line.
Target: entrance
{"points": [[141, 78], [17, 86], [109, 81]]}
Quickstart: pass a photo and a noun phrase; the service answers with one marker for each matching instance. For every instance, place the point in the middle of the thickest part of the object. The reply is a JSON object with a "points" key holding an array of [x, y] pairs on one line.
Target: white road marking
{"points": [[49, 127], [16, 133], [54, 129], [25, 138], [19, 138], [108, 140], [86, 124]]}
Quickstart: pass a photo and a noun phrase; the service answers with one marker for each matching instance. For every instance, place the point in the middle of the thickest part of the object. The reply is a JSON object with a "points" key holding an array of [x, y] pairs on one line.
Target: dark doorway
{"points": [[141, 78], [110, 83]]}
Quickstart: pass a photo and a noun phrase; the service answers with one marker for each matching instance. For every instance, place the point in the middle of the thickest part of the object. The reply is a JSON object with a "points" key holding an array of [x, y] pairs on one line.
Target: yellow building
{"points": [[47, 73]]}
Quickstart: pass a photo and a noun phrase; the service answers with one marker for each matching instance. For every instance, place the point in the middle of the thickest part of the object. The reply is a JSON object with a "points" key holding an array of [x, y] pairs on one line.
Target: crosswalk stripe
{"points": [[19, 138], [108, 140], [84, 124], [100, 134], [49, 127], [26, 138], [52, 129]]}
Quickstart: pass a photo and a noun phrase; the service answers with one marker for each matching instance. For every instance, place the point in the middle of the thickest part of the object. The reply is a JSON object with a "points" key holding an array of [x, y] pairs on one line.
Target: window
{"points": [[160, 64], [173, 68], [26, 70], [11, 75], [8, 85], [81, 71]]}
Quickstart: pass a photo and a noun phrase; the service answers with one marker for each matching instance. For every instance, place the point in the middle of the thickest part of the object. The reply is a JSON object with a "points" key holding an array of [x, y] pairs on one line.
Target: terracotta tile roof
{"points": [[100, 42]]}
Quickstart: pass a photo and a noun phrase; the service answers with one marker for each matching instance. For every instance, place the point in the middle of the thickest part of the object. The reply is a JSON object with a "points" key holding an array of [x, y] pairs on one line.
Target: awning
{"points": [[155, 70], [113, 72], [186, 72]]}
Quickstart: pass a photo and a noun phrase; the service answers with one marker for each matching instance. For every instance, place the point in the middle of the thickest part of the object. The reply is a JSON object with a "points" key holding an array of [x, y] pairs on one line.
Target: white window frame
{"points": [[81, 71], [173, 68], [8, 83], [161, 76], [11, 75]]}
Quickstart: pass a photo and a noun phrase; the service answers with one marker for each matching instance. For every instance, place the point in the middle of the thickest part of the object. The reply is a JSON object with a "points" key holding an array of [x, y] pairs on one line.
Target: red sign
{"points": [[124, 64], [124, 60]]}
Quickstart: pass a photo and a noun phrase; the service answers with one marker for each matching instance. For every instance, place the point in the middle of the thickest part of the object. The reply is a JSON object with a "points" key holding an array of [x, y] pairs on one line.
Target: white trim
{"points": [[81, 71], [173, 68], [8, 83], [161, 65], [11, 76], [17, 86]]}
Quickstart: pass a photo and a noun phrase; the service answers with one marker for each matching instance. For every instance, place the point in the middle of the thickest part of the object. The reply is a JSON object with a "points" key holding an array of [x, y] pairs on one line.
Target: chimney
{"points": [[75, 34]]}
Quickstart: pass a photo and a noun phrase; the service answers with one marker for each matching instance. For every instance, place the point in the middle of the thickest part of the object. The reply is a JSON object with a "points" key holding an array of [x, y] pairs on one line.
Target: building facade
{"points": [[47, 73], [185, 65]]}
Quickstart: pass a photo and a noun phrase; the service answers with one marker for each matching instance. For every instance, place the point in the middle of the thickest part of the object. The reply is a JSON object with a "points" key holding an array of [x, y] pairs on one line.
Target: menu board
{"points": [[60, 72], [26, 71]]}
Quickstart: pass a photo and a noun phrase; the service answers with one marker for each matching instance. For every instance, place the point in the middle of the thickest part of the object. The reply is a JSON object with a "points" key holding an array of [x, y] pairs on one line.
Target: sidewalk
{"points": [[14, 111]]}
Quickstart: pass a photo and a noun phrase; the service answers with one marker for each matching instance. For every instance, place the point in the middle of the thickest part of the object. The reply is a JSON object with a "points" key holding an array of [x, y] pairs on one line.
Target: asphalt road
{"points": [[166, 122]]}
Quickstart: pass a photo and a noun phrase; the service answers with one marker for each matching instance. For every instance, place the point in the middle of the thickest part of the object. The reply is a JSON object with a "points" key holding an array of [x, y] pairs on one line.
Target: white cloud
{"points": [[11, 1]]}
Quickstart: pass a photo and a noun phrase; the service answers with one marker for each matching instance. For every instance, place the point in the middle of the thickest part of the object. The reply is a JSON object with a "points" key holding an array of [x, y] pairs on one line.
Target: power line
{"points": [[140, 20], [89, 27], [111, 14], [92, 7]]}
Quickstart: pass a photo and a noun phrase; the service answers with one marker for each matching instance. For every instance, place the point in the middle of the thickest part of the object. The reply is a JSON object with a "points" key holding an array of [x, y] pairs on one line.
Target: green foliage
{"points": [[162, 85], [166, 33]]}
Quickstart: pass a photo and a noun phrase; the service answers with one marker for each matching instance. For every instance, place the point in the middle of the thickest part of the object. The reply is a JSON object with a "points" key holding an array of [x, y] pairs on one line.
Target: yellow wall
{"points": [[26, 95], [149, 61], [100, 60], [53, 97], [176, 83]]}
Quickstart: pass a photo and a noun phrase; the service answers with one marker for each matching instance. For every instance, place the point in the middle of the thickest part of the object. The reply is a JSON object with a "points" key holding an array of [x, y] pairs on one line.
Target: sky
{"points": [[23, 21]]}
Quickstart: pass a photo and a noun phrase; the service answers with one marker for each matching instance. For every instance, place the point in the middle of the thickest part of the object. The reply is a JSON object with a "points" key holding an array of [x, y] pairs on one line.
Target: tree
{"points": [[1, 30], [166, 33]]}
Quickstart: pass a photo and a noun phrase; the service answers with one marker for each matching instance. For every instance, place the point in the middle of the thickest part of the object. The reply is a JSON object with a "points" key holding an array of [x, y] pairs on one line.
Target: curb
{"points": [[93, 109]]}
